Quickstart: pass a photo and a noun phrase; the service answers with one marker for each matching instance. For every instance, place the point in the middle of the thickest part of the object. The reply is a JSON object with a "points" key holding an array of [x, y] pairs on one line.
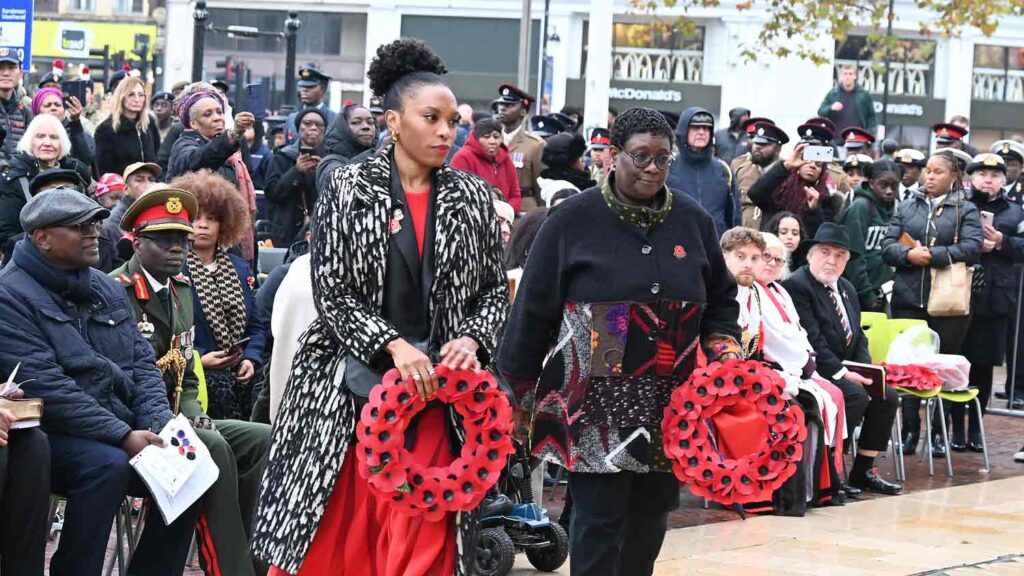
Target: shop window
{"points": [[998, 73], [657, 51], [129, 6], [82, 5], [911, 65], [320, 33]]}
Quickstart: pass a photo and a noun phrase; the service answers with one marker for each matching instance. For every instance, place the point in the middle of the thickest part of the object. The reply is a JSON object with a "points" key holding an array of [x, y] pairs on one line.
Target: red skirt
{"points": [[361, 535]]}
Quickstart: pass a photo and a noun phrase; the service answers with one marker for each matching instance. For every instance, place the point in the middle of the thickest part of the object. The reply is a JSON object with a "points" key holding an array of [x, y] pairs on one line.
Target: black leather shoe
{"points": [[1018, 403], [975, 447], [957, 445], [875, 483], [938, 448], [910, 445], [1002, 395], [852, 492]]}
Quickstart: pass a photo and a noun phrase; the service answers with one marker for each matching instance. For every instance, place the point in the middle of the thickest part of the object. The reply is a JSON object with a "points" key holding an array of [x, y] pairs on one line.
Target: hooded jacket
{"points": [[343, 148], [867, 220], [291, 195], [732, 141], [703, 177], [499, 172]]}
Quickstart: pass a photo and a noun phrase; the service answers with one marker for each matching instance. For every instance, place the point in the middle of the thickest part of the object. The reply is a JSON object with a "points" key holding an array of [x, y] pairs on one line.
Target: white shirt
{"points": [[156, 286], [508, 136]]}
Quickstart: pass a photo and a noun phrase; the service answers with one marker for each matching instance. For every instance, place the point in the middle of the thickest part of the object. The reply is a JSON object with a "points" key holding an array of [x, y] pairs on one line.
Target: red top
{"points": [[499, 172], [419, 203]]}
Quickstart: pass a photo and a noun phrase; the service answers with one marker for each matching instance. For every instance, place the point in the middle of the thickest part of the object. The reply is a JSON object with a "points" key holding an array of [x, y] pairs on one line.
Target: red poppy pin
{"points": [[252, 282], [679, 252]]}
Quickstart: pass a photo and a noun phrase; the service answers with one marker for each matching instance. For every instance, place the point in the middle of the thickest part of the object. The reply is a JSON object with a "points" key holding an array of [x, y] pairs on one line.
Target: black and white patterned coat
{"points": [[317, 417]]}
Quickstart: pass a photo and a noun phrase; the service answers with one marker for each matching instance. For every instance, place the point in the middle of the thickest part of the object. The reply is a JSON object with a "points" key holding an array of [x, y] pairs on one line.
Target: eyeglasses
{"points": [[90, 228], [165, 241], [774, 261], [313, 123], [136, 94], [642, 160]]}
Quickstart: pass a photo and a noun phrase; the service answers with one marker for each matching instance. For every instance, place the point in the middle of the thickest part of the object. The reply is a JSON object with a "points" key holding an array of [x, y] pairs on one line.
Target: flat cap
{"points": [[60, 207], [55, 175]]}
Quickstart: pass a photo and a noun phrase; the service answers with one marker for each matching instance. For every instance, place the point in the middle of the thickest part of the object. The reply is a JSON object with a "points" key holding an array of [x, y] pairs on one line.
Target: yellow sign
{"points": [[72, 39]]}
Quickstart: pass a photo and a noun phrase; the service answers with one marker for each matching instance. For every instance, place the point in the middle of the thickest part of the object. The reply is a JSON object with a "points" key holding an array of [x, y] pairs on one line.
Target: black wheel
{"points": [[495, 552], [550, 558]]}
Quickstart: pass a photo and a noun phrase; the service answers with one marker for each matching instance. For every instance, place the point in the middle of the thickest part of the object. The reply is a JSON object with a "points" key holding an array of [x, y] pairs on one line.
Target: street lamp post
{"points": [[291, 27], [200, 14], [885, 90]]}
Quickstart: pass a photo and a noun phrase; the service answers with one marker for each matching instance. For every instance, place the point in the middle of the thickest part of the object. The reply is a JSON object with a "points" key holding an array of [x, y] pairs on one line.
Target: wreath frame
{"points": [[432, 491], [690, 446]]}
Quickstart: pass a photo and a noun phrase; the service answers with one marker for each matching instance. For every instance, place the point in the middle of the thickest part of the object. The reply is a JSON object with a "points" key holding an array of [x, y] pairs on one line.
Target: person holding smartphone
{"points": [[290, 185], [801, 184], [67, 108]]}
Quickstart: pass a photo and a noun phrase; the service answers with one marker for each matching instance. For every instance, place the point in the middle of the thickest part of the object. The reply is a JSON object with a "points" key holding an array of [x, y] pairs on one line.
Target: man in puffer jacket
{"points": [[73, 333], [699, 174]]}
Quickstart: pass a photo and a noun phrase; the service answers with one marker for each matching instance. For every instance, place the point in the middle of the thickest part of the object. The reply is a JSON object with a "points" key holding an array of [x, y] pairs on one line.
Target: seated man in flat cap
{"points": [[160, 223], [73, 332]]}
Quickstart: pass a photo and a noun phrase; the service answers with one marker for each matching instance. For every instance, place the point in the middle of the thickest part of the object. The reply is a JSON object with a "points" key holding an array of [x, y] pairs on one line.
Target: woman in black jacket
{"points": [[798, 186], [351, 138], [994, 301], [44, 146], [206, 145], [943, 227], [130, 134], [291, 179], [608, 262]]}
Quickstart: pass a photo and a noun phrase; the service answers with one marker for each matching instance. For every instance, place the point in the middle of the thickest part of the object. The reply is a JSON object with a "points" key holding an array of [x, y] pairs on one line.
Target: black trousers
{"points": [[619, 521], [878, 416], [951, 331], [981, 378], [24, 503]]}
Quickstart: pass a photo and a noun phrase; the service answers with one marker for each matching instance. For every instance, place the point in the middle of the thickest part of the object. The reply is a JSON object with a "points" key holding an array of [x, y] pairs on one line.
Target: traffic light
{"points": [[226, 70]]}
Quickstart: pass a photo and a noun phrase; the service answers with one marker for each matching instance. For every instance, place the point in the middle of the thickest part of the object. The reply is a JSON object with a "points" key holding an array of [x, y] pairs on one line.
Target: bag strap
{"points": [[24, 188]]}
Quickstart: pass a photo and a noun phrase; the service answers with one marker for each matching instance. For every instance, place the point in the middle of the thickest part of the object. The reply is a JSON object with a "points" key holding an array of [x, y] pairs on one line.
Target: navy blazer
{"points": [[255, 327]]}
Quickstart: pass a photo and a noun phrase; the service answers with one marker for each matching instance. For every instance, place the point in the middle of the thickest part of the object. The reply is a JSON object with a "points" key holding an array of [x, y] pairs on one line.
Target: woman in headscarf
{"points": [[206, 144], [129, 135], [51, 101]]}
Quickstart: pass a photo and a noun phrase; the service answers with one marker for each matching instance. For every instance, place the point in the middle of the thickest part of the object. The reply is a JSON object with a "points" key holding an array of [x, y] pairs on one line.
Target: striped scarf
{"points": [[220, 296]]}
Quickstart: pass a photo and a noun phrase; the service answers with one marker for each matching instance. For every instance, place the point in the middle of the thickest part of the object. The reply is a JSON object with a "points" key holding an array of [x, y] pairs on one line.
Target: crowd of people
{"points": [[593, 273]]}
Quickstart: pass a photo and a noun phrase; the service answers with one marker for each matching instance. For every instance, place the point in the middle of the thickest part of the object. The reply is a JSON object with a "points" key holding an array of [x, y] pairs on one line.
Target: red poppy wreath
{"points": [[691, 444], [910, 377], [392, 472]]}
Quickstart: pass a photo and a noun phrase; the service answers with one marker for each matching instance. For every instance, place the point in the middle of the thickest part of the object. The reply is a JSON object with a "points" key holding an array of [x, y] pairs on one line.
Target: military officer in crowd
{"points": [[1013, 155], [525, 147], [912, 163], [160, 225], [312, 94], [766, 141], [600, 154]]}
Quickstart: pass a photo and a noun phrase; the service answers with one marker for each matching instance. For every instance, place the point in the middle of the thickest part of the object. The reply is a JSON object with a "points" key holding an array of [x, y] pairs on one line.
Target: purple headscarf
{"points": [[37, 100], [183, 105]]}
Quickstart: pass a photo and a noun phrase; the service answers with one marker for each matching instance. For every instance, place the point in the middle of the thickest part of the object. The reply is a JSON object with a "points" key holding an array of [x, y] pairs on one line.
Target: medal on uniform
{"points": [[518, 159], [395, 225], [146, 327]]}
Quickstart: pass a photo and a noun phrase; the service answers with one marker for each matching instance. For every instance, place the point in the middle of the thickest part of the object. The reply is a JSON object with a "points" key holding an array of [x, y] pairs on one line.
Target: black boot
{"points": [[910, 442], [938, 448]]}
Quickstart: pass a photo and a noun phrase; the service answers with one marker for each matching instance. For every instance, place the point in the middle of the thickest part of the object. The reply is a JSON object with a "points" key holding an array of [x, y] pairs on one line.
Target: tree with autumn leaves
{"points": [[789, 22]]}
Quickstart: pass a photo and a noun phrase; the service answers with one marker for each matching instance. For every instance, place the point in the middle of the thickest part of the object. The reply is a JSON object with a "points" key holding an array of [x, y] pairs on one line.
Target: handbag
{"points": [[951, 288], [360, 378]]}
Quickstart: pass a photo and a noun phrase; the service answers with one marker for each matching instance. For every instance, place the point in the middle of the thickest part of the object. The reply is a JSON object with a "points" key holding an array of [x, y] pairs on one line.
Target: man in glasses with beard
{"points": [[160, 224]]}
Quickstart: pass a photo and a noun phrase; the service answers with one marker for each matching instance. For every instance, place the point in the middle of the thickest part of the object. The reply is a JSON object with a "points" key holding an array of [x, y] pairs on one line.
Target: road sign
{"points": [[16, 29]]}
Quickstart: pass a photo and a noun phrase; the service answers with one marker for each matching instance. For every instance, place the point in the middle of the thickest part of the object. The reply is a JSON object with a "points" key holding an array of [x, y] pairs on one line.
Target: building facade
{"points": [[601, 53]]}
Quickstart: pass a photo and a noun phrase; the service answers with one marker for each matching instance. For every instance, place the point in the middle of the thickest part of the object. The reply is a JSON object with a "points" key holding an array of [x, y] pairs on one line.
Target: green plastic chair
{"points": [[876, 328]]}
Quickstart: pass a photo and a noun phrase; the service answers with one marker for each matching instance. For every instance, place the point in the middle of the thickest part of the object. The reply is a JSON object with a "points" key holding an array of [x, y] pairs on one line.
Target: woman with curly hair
{"points": [[229, 334], [622, 284], [407, 272]]}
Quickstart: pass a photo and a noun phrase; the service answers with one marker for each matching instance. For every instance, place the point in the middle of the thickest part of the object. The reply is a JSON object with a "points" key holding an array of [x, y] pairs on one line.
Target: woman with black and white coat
{"points": [[404, 248]]}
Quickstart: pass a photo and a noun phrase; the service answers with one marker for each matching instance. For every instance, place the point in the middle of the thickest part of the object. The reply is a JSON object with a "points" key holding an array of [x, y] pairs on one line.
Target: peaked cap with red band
{"points": [[161, 209]]}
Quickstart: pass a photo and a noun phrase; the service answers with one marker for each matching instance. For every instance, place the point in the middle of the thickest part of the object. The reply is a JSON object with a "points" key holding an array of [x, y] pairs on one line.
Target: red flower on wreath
{"points": [[389, 468], [695, 460]]}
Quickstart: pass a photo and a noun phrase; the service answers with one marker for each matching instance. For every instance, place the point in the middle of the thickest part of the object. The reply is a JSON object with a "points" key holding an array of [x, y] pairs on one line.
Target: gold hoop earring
{"points": [[394, 138]]}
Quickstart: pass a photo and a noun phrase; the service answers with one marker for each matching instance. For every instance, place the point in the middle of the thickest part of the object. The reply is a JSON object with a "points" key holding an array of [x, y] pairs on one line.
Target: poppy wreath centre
{"points": [[690, 443], [392, 472]]}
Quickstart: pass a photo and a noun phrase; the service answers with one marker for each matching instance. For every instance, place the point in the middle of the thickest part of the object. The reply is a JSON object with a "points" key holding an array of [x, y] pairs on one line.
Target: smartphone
{"points": [[987, 218], [818, 153], [74, 88], [254, 99], [307, 150], [239, 344]]}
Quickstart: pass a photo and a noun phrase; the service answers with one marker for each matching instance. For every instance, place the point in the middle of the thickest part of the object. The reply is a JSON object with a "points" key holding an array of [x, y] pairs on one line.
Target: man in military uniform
{"points": [[912, 161], [1013, 155], [600, 154], [312, 94], [160, 222], [525, 147], [766, 141]]}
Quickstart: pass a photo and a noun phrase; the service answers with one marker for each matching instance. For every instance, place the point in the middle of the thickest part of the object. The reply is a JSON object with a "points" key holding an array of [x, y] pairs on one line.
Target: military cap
{"points": [[50, 79], [510, 94], [857, 161], [962, 158], [164, 96], [986, 161], [546, 126], [161, 209], [910, 157], [751, 124], [310, 76], [815, 133], [946, 134], [767, 133], [1008, 149], [856, 138], [600, 139], [376, 105]]}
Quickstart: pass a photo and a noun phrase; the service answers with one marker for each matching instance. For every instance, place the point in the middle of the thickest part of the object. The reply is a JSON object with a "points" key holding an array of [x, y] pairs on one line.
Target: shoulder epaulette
{"points": [[182, 279], [125, 280]]}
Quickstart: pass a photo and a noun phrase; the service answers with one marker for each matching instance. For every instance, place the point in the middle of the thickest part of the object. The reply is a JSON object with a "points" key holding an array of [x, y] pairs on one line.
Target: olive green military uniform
{"points": [[238, 448], [526, 149]]}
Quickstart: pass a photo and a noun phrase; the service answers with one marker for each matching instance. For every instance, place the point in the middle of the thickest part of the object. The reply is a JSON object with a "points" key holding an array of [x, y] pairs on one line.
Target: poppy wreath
{"points": [[691, 446], [392, 472], [910, 377]]}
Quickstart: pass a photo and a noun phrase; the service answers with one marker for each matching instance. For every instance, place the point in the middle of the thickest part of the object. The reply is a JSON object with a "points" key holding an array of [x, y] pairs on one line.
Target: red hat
{"points": [[751, 124], [109, 182], [855, 137], [948, 133]]}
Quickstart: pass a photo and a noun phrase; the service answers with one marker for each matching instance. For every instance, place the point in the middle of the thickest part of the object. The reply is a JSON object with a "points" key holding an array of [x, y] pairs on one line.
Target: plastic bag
{"points": [[919, 346]]}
